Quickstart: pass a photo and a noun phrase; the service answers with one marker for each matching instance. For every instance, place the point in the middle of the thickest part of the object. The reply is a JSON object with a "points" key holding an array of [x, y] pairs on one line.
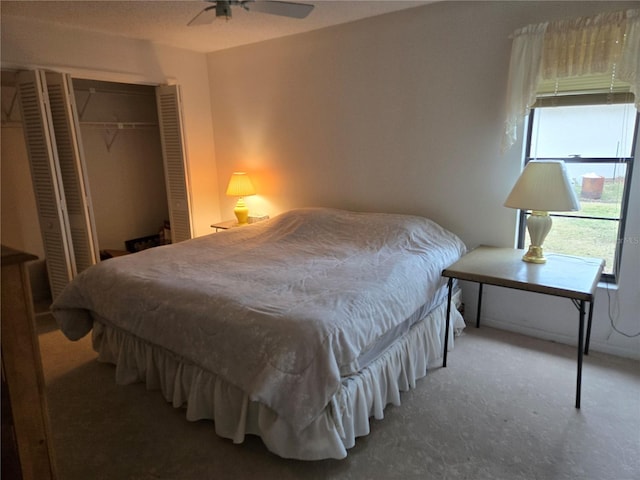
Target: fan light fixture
{"points": [[222, 8], [543, 187], [240, 186]]}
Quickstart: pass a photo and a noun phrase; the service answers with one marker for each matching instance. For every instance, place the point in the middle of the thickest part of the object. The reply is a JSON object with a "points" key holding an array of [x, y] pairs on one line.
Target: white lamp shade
{"points": [[544, 185], [240, 185]]}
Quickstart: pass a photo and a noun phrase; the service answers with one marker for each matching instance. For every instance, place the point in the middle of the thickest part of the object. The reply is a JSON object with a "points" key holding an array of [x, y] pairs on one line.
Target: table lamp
{"points": [[543, 187], [240, 186]]}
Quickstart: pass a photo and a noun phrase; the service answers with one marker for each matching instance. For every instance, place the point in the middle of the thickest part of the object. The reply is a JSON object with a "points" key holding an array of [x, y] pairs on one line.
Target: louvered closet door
{"points": [[46, 178], [175, 167], [73, 169]]}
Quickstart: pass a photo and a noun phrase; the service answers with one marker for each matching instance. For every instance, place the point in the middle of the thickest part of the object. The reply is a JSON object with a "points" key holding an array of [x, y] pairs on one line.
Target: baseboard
{"points": [[559, 338]]}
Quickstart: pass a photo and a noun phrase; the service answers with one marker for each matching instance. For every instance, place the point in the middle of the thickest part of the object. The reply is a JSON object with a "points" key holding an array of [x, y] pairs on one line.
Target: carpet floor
{"points": [[502, 409]]}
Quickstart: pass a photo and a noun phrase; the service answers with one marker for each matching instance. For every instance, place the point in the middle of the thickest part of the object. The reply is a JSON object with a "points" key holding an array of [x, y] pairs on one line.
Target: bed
{"points": [[298, 329]]}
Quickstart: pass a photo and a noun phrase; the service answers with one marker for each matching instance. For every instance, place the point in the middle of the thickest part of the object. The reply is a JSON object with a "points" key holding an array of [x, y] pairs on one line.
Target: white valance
{"points": [[608, 44]]}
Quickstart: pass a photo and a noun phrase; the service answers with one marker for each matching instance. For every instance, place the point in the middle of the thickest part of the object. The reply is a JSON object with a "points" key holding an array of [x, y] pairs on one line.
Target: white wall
{"points": [[27, 43], [403, 112]]}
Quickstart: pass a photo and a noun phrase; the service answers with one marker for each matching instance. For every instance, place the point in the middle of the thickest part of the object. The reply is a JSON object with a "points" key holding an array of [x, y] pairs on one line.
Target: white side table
{"points": [[565, 276]]}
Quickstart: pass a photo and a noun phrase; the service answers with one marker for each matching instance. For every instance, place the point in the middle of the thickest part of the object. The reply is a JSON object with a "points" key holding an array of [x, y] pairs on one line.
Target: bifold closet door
{"points": [[58, 173], [175, 167], [46, 177], [73, 170]]}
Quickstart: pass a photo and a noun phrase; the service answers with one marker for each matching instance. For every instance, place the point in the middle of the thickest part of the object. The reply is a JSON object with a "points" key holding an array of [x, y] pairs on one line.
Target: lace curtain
{"points": [[606, 43]]}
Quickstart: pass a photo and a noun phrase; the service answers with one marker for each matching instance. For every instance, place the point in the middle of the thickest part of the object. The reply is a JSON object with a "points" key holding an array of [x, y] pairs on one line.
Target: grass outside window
{"points": [[587, 237]]}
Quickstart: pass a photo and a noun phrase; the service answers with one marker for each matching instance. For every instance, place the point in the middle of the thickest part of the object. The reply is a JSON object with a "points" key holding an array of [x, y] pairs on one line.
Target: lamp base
{"points": [[538, 225], [534, 255], [242, 212]]}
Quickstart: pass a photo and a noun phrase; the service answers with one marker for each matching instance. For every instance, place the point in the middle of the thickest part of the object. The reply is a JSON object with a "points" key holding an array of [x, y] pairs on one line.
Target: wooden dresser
{"points": [[27, 452]]}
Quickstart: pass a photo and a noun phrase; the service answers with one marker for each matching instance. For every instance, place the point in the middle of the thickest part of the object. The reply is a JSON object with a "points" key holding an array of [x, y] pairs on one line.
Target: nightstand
{"points": [[575, 278], [225, 225]]}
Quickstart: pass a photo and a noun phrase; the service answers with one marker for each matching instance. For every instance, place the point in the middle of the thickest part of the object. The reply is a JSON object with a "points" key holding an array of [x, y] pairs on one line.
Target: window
{"points": [[597, 142]]}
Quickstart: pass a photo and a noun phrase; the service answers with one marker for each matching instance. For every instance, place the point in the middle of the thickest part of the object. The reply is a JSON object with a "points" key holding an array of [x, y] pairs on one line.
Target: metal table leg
{"points": [[580, 352], [479, 304], [586, 344], [446, 328]]}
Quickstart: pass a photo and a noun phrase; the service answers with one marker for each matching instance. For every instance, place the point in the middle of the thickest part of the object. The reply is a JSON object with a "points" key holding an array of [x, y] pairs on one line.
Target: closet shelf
{"points": [[120, 125]]}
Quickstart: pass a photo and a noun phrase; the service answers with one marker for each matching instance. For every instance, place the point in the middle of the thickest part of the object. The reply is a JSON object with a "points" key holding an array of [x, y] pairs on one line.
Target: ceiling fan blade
{"points": [[205, 17], [285, 9]]}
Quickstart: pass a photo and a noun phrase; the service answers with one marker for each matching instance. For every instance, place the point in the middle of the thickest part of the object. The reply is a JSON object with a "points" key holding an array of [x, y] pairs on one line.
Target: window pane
{"points": [[599, 187], [588, 131], [583, 237]]}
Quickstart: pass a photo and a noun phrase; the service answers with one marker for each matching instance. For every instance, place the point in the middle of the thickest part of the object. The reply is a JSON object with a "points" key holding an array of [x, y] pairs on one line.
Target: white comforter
{"points": [[276, 308]]}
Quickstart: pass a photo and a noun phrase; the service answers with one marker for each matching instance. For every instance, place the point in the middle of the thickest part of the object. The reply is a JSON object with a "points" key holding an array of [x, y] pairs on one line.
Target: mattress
{"points": [[374, 350]]}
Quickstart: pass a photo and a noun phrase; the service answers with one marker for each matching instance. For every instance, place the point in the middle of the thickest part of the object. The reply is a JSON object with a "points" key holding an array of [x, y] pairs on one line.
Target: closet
{"points": [[107, 163], [123, 158]]}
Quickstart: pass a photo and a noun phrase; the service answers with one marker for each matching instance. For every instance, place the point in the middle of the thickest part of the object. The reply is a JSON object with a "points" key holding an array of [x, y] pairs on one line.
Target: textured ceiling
{"points": [[165, 22]]}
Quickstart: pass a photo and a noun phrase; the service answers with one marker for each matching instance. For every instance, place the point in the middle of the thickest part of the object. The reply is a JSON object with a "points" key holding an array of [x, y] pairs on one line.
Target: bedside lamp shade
{"points": [[543, 187], [240, 186]]}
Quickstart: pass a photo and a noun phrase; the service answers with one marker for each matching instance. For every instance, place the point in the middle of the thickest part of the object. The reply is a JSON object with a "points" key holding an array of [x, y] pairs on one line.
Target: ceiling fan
{"points": [[222, 8]]}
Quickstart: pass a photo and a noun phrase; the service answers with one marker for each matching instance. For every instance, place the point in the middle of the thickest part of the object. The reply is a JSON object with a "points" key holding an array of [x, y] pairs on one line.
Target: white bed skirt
{"points": [[235, 415]]}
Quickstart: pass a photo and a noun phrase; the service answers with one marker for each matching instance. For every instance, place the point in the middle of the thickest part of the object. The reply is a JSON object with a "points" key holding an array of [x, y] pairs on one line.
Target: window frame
{"points": [[624, 207]]}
